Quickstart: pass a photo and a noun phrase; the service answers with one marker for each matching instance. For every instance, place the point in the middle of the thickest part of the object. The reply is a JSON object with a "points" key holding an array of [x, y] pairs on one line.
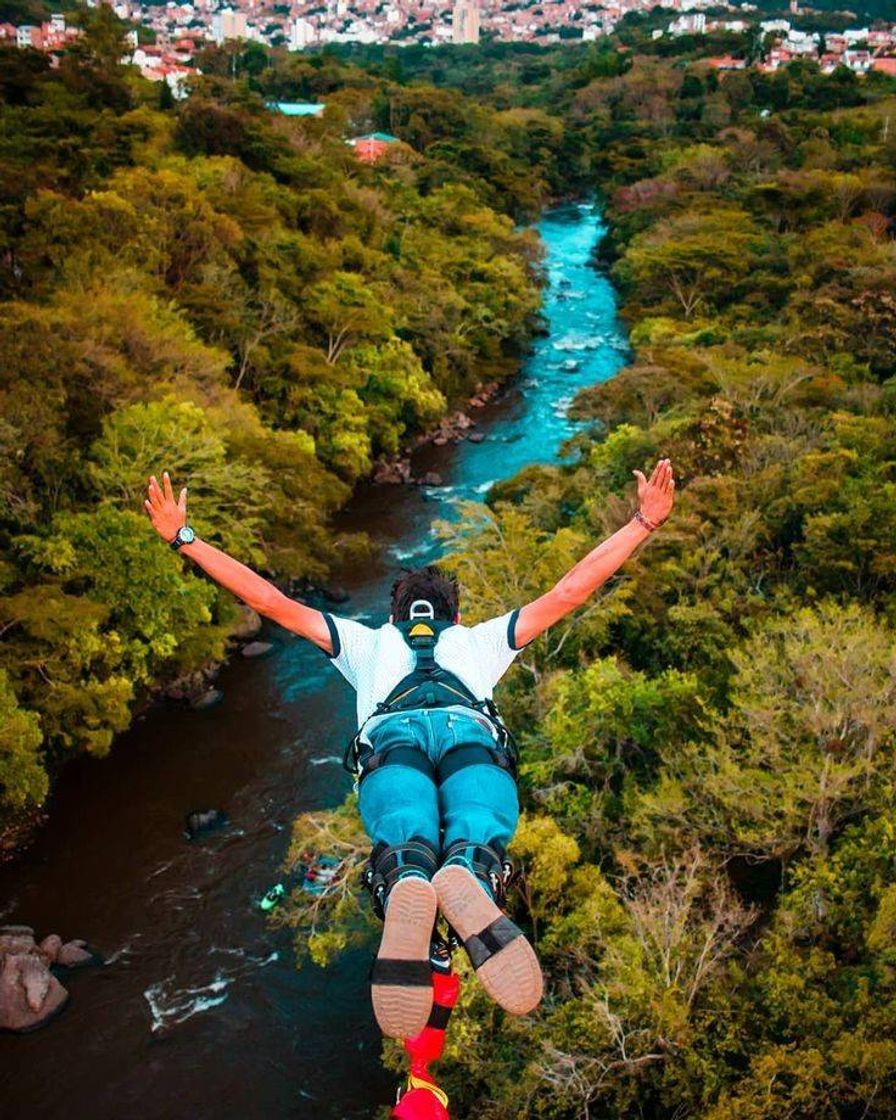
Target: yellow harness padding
{"points": [[421, 630], [422, 1083]]}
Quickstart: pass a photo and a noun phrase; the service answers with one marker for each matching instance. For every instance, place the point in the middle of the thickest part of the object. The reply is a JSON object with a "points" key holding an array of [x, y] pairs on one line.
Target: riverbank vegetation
{"points": [[708, 749]]}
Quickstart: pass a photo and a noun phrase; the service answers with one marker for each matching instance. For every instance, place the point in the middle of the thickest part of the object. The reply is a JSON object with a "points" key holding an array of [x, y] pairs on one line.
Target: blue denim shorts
{"points": [[477, 803]]}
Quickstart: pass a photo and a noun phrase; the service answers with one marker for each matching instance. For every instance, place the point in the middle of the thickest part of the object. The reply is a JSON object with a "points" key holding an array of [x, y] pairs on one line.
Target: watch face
{"points": [[187, 536]]}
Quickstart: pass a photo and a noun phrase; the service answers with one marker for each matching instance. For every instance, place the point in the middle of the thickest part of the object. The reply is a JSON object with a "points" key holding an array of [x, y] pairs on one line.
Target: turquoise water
{"points": [[199, 1010]]}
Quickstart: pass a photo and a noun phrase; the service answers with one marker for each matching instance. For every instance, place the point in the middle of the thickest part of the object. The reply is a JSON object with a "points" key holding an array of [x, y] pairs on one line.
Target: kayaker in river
{"points": [[436, 765]]}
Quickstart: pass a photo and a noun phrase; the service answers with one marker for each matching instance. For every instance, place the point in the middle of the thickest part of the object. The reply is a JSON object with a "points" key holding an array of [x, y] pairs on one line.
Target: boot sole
{"points": [[402, 1011], [512, 977]]}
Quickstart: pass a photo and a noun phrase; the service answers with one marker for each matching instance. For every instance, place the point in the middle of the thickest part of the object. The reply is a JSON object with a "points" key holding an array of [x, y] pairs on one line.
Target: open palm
{"points": [[656, 494], [166, 514]]}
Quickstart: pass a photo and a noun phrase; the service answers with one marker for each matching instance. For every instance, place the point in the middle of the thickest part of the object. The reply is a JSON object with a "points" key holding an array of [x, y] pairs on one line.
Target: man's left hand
{"points": [[656, 495]]}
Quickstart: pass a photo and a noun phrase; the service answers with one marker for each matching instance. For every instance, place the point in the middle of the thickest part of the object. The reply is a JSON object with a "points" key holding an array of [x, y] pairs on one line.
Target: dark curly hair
{"points": [[429, 583]]}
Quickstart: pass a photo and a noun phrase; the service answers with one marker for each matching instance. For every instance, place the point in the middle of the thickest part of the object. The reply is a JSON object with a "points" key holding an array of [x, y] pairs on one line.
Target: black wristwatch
{"points": [[185, 535]]}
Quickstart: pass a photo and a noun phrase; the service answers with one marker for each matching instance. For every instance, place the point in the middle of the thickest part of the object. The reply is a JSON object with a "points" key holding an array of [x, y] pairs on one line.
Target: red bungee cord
{"points": [[422, 1099]]}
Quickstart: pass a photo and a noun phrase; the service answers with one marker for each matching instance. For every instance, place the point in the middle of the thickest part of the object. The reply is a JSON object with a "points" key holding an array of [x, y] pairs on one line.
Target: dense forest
{"points": [[231, 295], [708, 848]]}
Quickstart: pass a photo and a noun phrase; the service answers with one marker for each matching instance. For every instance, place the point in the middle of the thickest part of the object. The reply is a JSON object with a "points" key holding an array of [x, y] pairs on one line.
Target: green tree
{"points": [[23, 779]]}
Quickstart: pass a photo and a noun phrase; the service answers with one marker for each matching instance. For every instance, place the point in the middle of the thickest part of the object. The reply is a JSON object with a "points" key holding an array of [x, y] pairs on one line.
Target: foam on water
{"points": [[169, 1005]]}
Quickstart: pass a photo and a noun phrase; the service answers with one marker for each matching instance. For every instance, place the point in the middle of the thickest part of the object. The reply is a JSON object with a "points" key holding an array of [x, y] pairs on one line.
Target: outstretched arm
{"points": [[655, 498], [168, 515]]}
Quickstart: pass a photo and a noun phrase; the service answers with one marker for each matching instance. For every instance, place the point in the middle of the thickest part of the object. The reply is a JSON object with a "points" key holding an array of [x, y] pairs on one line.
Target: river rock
{"points": [[207, 699], [50, 947], [16, 939], [74, 953], [29, 992], [192, 686], [431, 478], [483, 394], [453, 427], [257, 649], [392, 471], [476, 437], [204, 820], [249, 624]]}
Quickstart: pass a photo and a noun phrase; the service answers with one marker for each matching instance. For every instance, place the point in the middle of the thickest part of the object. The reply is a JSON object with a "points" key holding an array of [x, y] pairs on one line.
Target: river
{"points": [[199, 1010]]}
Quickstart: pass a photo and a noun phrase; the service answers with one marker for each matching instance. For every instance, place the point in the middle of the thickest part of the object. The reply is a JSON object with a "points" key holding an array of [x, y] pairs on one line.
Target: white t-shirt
{"points": [[373, 661]]}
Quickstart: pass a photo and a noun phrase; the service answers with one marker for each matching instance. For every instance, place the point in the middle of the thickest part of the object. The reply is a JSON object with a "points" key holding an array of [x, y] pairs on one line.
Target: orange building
{"points": [[373, 146]]}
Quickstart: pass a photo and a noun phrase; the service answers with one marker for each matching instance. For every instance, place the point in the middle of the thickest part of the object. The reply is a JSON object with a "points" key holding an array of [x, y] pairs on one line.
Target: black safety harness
{"points": [[429, 685]]}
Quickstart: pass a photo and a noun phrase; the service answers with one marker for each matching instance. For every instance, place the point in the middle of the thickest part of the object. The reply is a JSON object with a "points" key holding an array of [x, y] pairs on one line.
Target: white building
{"points": [[858, 61], [301, 34], [228, 24], [856, 35], [465, 22], [24, 36], [691, 23]]}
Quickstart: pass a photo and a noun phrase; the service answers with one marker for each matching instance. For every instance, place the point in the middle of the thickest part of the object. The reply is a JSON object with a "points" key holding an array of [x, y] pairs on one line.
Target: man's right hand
{"points": [[166, 514]]}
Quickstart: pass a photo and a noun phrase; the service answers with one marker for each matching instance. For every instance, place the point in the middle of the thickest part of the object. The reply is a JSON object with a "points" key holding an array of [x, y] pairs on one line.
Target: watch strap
{"points": [[179, 540], [649, 525]]}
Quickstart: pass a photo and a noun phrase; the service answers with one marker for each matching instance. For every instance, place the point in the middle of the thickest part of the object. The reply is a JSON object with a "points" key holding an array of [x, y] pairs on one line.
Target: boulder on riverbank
{"points": [[392, 471], [249, 624], [193, 687], [256, 649], [454, 427], [207, 699], [30, 994]]}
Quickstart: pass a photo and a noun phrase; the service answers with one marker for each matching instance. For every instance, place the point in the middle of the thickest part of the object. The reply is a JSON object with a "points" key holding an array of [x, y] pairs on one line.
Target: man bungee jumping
{"points": [[435, 763]]}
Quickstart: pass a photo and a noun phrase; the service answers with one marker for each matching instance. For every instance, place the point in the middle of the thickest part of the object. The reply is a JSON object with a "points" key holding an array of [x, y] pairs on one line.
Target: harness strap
{"points": [[388, 864], [486, 861], [402, 754], [484, 945], [407, 974], [473, 754]]}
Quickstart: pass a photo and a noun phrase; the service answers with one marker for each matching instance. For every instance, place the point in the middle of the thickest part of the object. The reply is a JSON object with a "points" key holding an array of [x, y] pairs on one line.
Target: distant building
{"points": [[726, 62], [373, 146], [301, 35], [885, 66], [691, 23], [465, 22], [297, 108], [858, 61], [228, 24]]}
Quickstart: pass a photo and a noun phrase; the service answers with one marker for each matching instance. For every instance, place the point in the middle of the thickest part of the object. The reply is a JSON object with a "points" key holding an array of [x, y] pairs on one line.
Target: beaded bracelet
{"points": [[648, 525]]}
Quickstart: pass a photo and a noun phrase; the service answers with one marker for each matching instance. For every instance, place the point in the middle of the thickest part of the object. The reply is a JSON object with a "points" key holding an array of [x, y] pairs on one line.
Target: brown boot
{"points": [[401, 980], [504, 960]]}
